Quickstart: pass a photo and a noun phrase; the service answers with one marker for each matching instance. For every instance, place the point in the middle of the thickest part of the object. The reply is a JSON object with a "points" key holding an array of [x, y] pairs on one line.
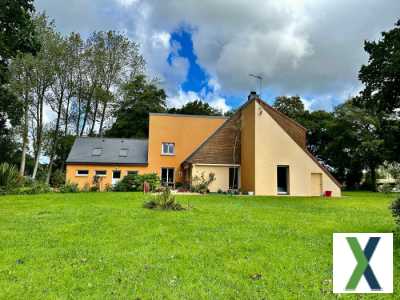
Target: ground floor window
{"points": [[132, 173], [167, 176], [82, 172], [233, 178], [283, 179], [101, 172]]}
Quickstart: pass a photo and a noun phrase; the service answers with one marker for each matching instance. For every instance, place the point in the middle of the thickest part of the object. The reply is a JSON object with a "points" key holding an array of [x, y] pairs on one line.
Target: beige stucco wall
{"points": [[248, 147], [274, 147], [221, 176]]}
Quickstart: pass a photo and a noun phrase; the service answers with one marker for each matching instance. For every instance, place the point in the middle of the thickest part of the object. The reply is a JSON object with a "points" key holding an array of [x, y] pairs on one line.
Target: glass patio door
{"points": [[167, 177]]}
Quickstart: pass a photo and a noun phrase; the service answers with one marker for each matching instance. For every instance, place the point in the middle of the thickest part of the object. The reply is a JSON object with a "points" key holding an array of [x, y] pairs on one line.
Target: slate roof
{"points": [[86, 150]]}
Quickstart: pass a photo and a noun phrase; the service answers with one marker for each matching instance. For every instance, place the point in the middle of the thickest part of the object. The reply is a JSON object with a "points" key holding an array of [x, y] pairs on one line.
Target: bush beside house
{"points": [[134, 182]]}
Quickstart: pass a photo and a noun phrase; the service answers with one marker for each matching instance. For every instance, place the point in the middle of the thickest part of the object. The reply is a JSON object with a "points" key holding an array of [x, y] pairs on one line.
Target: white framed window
{"points": [[101, 173], [82, 173], [168, 148]]}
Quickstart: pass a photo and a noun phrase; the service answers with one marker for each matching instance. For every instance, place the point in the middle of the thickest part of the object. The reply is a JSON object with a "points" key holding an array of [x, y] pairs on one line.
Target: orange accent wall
{"points": [[106, 180], [187, 132]]}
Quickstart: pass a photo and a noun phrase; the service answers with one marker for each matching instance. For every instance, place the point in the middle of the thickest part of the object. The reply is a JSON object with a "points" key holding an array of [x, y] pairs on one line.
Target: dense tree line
{"points": [[364, 132], [78, 80], [54, 88]]}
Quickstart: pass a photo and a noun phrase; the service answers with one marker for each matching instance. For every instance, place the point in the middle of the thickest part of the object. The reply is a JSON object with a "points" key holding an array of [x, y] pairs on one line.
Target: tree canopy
{"points": [[196, 107], [17, 35], [291, 106], [140, 97], [381, 76]]}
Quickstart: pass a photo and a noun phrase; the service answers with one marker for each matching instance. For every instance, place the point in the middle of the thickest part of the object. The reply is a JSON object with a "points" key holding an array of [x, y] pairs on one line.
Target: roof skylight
{"points": [[97, 151]]}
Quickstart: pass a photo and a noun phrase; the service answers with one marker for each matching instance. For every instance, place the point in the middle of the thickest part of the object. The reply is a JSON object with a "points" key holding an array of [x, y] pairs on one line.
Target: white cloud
{"points": [[126, 3], [305, 47], [161, 39], [181, 98], [219, 103]]}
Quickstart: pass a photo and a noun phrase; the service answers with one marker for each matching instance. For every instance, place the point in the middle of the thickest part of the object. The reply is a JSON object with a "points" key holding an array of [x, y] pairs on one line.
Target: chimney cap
{"points": [[252, 95]]}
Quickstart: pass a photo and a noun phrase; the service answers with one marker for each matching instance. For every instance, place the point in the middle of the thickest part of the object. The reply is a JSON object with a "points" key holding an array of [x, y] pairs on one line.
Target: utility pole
{"points": [[259, 78]]}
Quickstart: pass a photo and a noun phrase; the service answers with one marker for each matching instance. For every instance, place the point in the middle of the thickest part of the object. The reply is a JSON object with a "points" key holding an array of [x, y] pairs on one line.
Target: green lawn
{"points": [[105, 245]]}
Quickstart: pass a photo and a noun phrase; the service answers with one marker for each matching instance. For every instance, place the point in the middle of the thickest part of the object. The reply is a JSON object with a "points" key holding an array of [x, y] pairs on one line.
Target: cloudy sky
{"points": [[207, 49]]}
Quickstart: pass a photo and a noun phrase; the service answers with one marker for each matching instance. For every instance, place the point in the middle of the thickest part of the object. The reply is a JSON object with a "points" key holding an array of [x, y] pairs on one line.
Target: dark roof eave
{"points": [[105, 163]]}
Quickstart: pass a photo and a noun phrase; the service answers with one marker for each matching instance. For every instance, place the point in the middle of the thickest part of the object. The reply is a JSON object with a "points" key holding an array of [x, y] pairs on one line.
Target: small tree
{"points": [[164, 201]]}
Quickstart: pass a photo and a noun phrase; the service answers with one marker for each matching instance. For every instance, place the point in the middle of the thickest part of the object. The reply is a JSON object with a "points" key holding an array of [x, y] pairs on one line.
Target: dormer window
{"points": [[123, 152], [97, 151], [168, 149]]}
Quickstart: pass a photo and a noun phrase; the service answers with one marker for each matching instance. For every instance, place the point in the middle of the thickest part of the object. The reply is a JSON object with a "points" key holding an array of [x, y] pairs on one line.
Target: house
{"points": [[257, 150]]}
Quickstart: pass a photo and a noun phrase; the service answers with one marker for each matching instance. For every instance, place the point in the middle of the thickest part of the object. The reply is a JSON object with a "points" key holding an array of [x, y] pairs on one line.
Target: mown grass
{"points": [[106, 246]]}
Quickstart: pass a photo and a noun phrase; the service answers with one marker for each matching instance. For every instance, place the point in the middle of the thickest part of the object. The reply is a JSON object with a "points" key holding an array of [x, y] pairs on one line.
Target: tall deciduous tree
{"points": [[42, 79], [366, 131], [21, 85], [121, 58], [17, 35], [140, 97], [61, 61], [381, 95], [381, 76]]}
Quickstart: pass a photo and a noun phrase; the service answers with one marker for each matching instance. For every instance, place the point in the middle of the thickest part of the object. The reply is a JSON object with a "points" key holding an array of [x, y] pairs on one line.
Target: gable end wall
{"points": [[273, 147]]}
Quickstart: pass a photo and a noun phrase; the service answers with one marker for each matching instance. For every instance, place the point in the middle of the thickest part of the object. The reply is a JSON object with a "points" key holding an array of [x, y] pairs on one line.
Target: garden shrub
{"points": [[395, 207], [126, 184], [86, 188], [386, 188], [152, 179], [57, 178], [96, 187], [38, 188], [134, 182], [182, 187], [33, 187], [200, 183], [9, 178], [69, 187], [164, 201]]}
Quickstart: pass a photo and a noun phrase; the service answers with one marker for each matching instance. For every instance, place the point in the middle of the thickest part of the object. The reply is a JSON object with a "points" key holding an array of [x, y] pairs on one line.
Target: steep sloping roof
{"points": [[90, 150], [222, 147], [218, 148]]}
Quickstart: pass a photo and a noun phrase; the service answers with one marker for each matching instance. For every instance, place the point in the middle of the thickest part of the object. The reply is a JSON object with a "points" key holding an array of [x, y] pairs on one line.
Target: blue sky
{"points": [[207, 49], [197, 77]]}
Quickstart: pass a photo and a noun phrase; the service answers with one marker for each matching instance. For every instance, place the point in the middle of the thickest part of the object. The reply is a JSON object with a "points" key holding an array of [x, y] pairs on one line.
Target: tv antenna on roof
{"points": [[259, 78]]}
